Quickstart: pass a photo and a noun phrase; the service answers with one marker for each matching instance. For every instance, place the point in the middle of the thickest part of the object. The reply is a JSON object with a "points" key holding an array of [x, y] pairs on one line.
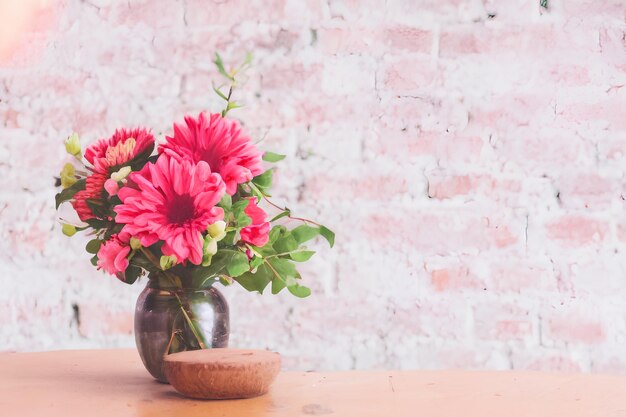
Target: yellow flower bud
{"points": [[121, 174], [68, 230], [217, 230], [135, 244], [210, 246], [68, 175], [167, 262], [72, 145]]}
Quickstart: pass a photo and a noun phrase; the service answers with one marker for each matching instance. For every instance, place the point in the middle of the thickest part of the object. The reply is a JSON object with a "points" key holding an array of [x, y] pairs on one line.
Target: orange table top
{"points": [[113, 383]]}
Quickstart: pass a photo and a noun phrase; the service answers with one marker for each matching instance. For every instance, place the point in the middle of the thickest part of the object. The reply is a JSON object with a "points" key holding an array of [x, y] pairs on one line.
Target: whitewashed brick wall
{"points": [[469, 154]]}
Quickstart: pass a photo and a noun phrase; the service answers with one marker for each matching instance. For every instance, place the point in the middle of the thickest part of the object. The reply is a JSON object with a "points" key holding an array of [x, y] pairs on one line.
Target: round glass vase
{"points": [[176, 319]]}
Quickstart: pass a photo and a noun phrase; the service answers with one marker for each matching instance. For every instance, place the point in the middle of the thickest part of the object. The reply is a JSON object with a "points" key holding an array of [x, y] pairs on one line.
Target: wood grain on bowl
{"points": [[222, 373]]}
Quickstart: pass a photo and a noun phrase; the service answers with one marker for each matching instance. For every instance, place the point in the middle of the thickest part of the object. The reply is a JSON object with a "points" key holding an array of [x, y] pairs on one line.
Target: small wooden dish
{"points": [[219, 374]]}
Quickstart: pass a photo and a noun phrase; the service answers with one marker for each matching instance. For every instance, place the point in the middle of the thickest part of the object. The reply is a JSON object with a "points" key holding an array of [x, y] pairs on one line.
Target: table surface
{"points": [[113, 383]]}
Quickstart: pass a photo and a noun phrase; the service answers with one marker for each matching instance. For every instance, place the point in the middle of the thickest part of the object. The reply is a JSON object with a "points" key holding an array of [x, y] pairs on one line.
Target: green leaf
{"points": [[238, 265], [240, 217], [220, 66], [277, 232], [328, 234], [139, 260], [94, 260], [232, 105], [219, 93], [273, 157], [266, 250], [278, 285], [287, 243], [131, 274], [97, 207], [257, 281], [263, 181], [219, 264], [226, 202], [98, 224], [93, 246], [299, 290], [256, 262], [69, 192], [285, 213], [302, 256], [305, 233], [283, 267], [256, 192], [248, 60]]}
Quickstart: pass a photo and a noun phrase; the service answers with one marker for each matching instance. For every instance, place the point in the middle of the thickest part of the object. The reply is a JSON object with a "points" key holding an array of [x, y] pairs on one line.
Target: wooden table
{"points": [[113, 383]]}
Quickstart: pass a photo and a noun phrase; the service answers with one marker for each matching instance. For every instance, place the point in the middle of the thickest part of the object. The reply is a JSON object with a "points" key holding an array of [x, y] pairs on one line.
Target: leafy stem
{"points": [[283, 209], [276, 274], [150, 256]]}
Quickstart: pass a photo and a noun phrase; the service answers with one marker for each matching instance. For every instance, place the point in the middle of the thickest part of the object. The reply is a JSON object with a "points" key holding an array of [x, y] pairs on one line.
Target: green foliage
{"points": [[543, 3], [304, 233], [302, 255], [273, 157], [328, 234], [264, 181], [286, 243], [140, 261], [226, 202], [239, 216], [131, 274], [255, 281], [219, 63], [221, 263], [93, 246], [238, 264], [68, 193], [282, 214]]}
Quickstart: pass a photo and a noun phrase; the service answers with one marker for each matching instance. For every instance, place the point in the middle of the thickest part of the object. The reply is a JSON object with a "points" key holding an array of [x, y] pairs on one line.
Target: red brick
{"points": [[576, 230], [573, 329]]}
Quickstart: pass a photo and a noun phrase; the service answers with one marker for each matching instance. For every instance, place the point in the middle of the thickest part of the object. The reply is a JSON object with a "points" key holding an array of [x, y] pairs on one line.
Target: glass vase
{"points": [[170, 320]]}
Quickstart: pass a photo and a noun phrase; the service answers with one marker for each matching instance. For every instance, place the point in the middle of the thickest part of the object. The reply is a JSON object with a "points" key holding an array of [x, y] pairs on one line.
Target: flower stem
{"points": [[150, 256]]}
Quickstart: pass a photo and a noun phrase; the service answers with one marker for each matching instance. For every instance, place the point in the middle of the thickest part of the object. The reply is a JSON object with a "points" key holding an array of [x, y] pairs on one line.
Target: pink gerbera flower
{"points": [[173, 201], [113, 254], [257, 233], [219, 142], [94, 187], [122, 147]]}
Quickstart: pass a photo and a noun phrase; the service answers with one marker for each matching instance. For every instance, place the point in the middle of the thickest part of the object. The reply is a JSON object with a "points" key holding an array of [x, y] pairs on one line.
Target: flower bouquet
{"points": [[187, 213]]}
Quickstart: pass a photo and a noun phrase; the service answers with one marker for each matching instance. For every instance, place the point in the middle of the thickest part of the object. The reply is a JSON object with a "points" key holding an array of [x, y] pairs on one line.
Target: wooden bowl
{"points": [[220, 374]]}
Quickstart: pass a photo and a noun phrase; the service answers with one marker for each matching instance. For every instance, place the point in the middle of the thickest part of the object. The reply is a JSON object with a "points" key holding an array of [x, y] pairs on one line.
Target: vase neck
{"points": [[172, 281]]}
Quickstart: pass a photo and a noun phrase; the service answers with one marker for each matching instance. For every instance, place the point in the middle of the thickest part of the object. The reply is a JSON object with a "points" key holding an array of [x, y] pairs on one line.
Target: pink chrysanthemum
{"points": [[257, 233], [122, 147], [173, 201], [219, 142], [113, 254], [94, 187]]}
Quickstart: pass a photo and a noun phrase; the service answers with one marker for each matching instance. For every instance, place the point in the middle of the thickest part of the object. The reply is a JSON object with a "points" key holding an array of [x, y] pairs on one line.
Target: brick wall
{"points": [[469, 154]]}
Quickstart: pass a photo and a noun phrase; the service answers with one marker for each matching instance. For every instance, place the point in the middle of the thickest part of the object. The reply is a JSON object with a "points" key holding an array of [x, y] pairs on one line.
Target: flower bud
{"points": [[121, 174], [217, 230], [72, 145], [68, 230], [111, 187], [210, 246], [167, 262], [135, 244], [68, 175]]}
